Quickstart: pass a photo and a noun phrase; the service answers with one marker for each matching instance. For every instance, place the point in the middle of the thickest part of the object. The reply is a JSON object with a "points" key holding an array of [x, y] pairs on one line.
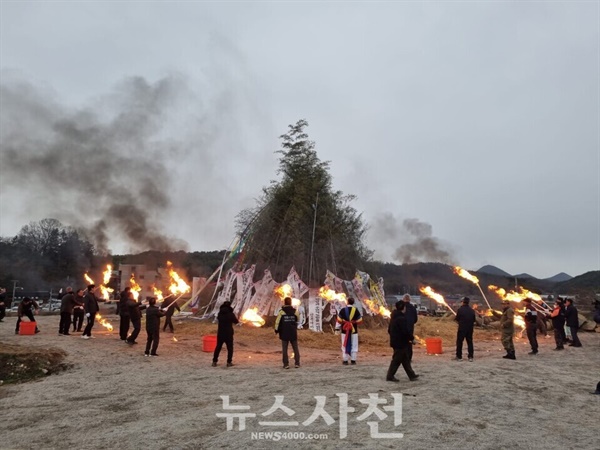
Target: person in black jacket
{"points": [[124, 313], [572, 320], [558, 323], [531, 326], [67, 302], [411, 316], [465, 317], [2, 303], [286, 325], [226, 319], [27, 308], [78, 312], [135, 315], [90, 308], [400, 340], [170, 305], [153, 315]]}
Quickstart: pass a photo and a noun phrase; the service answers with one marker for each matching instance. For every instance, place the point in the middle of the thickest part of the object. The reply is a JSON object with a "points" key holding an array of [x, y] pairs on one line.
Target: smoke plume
{"points": [[417, 241]]}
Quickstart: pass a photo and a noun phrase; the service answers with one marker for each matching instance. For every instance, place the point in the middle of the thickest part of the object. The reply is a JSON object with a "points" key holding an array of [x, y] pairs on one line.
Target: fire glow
{"points": [[331, 296], [251, 316], [102, 321], [177, 286], [285, 290], [135, 288], [466, 275], [435, 296]]}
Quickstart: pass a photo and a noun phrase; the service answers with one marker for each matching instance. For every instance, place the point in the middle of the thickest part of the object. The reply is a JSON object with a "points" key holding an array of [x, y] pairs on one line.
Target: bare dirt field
{"points": [[112, 397]]}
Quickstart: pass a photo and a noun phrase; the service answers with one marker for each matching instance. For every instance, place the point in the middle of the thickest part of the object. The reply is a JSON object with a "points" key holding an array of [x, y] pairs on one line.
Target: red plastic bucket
{"points": [[209, 343], [434, 346], [27, 328]]}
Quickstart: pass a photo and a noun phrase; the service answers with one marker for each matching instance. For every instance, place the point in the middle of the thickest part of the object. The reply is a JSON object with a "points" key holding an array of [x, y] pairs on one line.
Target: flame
{"points": [[135, 288], [377, 309], [106, 274], [420, 340], [88, 279], [330, 295], [105, 292], [466, 275], [251, 316], [519, 321], [435, 296], [178, 286], [285, 290], [515, 296], [158, 294], [104, 322], [175, 339]]}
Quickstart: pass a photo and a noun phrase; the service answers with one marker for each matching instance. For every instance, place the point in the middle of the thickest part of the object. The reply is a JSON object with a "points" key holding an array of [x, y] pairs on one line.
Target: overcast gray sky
{"points": [[477, 120]]}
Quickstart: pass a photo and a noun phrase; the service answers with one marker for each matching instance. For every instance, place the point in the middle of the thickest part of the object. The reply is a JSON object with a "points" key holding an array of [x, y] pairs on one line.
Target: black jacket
{"points": [[134, 309], [465, 316], [153, 315], [558, 321], [122, 309], [67, 303], [90, 304], [411, 316], [286, 323], [530, 317], [226, 319], [400, 336], [572, 318], [171, 309]]}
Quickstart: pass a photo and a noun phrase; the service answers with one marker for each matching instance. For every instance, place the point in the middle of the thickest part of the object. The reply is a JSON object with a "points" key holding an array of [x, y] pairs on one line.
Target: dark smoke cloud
{"points": [[419, 244], [100, 168]]}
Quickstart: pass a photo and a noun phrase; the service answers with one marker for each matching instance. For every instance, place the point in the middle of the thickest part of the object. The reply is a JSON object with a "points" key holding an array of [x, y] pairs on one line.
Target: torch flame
{"points": [[103, 322], [135, 288], [330, 295], [178, 286], [435, 296], [106, 274], [88, 279], [466, 275], [175, 339], [285, 290], [515, 296], [158, 294], [377, 309], [251, 316]]}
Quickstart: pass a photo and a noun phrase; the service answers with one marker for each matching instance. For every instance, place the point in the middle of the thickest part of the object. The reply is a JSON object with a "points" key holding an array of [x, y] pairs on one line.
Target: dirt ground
{"points": [[112, 397]]}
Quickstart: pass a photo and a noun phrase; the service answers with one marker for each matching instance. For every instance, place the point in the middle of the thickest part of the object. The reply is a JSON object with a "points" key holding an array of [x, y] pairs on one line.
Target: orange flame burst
{"points": [[330, 295], [178, 286], [515, 296], [158, 294], [135, 288], [377, 309], [466, 275], [251, 316], [88, 279], [285, 290], [106, 274], [104, 322], [519, 321], [435, 296]]}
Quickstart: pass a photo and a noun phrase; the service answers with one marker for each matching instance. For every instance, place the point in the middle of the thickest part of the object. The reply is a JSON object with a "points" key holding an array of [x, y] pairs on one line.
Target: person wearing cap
{"points": [[349, 318], [572, 320], [286, 326], [400, 340], [26, 308], [226, 319], [465, 316], [531, 326], [508, 329], [558, 323]]}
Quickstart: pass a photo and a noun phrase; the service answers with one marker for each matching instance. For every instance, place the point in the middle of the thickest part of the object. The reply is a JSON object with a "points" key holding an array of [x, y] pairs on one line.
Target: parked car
{"points": [[422, 310]]}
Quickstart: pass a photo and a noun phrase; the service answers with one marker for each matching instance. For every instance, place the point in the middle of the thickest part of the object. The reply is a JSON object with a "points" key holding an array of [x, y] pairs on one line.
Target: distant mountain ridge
{"points": [[493, 270]]}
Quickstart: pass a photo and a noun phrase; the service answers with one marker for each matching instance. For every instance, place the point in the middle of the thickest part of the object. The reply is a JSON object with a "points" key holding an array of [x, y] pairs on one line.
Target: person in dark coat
{"points": [[135, 315], [465, 316], [2, 304], [78, 312], [531, 326], [226, 319], [170, 309], [153, 315], [400, 340], [572, 321], [558, 323], [286, 325], [412, 317], [90, 308], [67, 302], [124, 321], [27, 308]]}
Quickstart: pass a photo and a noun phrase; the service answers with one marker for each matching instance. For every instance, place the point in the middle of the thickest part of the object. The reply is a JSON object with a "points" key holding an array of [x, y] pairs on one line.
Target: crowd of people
{"points": [[75, 306]]}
